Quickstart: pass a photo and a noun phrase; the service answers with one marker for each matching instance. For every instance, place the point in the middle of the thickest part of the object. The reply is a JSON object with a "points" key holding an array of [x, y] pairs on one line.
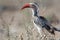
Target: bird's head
{"points": [[30, 5]]}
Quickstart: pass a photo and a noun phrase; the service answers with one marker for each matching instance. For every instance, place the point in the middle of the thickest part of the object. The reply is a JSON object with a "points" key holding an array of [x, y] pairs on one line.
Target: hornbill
{"points": [[40, 22]]}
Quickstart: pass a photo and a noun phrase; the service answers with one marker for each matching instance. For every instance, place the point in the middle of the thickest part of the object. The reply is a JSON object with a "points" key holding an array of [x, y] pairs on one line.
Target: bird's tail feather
{"points": [[56, 29]]}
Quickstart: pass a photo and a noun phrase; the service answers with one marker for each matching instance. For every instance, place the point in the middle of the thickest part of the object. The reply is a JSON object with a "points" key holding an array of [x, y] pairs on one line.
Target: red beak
{"points": [[25, 6]]}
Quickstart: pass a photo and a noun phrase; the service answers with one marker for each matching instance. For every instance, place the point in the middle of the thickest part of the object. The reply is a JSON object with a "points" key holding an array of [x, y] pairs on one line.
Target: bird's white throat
{"points": [[32, 12]]}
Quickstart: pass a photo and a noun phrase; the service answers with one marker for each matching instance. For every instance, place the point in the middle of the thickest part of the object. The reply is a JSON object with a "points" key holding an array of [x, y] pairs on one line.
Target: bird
{"points": [[40, 22]]}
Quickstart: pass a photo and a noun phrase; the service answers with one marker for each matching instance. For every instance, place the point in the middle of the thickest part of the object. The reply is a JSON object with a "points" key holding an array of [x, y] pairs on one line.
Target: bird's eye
{"points": [[33, 6]]}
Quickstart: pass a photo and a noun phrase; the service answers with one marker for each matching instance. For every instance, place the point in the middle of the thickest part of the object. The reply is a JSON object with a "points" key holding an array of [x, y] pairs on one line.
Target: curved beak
{"points": [[26, 6]]}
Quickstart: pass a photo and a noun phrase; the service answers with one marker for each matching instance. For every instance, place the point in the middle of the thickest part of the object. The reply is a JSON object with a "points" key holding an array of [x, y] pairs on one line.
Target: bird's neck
{"points": [[34, 12]]}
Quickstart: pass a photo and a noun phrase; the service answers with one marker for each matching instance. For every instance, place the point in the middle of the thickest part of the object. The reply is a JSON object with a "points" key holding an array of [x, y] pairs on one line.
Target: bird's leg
{"points": [[44, 34], [42, 37], [40, 32]]}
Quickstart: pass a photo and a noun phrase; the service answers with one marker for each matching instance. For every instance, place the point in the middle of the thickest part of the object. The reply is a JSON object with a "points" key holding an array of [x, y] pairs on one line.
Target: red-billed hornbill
{"points": [[40, 22]]}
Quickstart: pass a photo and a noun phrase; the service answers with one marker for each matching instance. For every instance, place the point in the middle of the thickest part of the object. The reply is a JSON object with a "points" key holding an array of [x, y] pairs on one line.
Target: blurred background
{"points": [[17, 25]]}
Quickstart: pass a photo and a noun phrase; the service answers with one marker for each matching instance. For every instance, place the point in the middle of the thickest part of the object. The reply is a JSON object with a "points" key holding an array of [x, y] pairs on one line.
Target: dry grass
{"points": [[17, 25]]}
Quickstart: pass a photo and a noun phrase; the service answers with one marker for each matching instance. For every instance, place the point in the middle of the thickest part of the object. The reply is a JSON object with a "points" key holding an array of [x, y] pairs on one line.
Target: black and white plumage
{"points": [[40, 22]]}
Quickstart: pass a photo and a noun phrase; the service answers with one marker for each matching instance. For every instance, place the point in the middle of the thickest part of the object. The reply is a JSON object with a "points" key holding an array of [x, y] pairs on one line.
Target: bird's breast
{"points": [[37, 26]]}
